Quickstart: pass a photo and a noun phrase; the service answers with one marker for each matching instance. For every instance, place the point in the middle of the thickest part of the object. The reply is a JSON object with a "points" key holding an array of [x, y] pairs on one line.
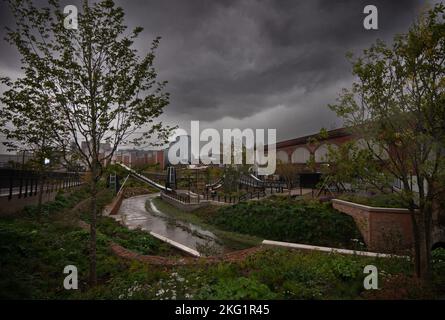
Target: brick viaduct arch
{"points": [[301, 154]]}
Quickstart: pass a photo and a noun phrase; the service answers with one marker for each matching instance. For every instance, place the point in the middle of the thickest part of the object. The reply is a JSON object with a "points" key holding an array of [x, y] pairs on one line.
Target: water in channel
{"points": [[141, 212]]}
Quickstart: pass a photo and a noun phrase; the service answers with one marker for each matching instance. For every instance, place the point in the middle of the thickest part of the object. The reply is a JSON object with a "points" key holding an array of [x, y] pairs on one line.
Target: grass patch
{"points": [[35, 251], [33, 254], [279, 274], [62, 201]]}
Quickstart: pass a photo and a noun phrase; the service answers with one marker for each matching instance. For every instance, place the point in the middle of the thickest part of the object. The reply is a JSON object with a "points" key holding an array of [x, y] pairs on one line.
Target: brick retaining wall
{"points": [[383, 229], [114, 206]]}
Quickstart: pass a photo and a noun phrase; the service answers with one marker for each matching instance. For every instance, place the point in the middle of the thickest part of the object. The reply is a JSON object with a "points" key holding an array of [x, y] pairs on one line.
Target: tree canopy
{"points": [[396, 110]]}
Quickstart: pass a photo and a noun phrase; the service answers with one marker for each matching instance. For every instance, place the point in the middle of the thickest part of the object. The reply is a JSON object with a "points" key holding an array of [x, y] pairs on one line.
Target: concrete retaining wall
{"points": [[306, 247], [181, 205], [383, 229], [15, 205], [177, 245]]}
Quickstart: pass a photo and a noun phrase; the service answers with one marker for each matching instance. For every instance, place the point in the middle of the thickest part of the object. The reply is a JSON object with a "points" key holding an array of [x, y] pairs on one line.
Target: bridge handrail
{"points": [[211, 185], [123, 184], [178, 197], [145, 179], [260, 183]]}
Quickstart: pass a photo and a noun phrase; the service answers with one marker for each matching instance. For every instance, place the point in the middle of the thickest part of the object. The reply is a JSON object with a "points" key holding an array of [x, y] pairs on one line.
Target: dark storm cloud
{"points": [[229, 63], [238, 58]]}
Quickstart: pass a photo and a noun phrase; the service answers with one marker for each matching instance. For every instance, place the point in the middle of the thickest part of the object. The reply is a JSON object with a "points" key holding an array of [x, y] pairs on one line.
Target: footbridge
{"points": [[253, 181], [143, 178]]}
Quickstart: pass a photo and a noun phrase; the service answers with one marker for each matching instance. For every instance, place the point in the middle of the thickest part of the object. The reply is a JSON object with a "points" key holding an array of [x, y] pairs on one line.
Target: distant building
{"points": [[135, 157], [104, 150], [300, 150], [15, 160]]}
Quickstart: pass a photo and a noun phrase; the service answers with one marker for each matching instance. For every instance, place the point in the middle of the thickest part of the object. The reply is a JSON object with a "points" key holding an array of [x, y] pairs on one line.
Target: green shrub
{"points": [[62, 201], [289, 220], [438, 266], [391, 200], [346, 268], [237, 289]]}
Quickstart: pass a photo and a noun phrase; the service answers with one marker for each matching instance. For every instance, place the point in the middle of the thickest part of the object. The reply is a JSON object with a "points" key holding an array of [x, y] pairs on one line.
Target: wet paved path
{"points": [[135, 215]]}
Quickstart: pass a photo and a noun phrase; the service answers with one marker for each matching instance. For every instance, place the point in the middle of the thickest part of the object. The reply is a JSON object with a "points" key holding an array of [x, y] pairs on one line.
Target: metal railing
{"points": [[252, 195], [248, 181], [235, 198], [184, 198], [26, 183]]}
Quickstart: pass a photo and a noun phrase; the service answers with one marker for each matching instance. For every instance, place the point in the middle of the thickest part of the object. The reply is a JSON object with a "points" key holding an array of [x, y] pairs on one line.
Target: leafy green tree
{"points": [[99, 89], [397, 108], [288, 171], [26, 122], [234, 171]]}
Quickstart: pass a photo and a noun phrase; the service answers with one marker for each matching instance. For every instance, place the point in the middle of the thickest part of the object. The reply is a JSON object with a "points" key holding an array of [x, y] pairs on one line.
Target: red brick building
{"points": [[135, 157], [300, 150]]}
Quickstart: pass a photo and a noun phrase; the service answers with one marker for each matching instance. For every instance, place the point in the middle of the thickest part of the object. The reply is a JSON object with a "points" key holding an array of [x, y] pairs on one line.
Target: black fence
{"points": [[24, 183], [185, 198], [278, 186], [252, 195], [222, 198], [235, 198]]}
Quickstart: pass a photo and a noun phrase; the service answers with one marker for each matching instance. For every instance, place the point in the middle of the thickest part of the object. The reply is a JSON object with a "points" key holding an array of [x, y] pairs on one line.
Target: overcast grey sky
{"points": [[253, 63]]}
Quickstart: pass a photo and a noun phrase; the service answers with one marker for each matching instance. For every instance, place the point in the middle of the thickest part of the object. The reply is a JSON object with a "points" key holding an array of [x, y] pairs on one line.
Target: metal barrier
{"points": [[26, 183], [235, 199], [180, 197], [250, 182]]}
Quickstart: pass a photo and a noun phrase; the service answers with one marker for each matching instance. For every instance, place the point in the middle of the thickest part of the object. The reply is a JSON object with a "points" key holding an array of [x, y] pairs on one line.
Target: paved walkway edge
{"points": [[176, 244], [328, 249]]}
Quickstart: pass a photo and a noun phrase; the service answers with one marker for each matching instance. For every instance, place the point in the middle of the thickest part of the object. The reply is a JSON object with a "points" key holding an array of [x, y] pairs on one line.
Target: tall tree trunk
{"points": [[39, 204], [93, 275], [42, 173], [422, 245]]}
